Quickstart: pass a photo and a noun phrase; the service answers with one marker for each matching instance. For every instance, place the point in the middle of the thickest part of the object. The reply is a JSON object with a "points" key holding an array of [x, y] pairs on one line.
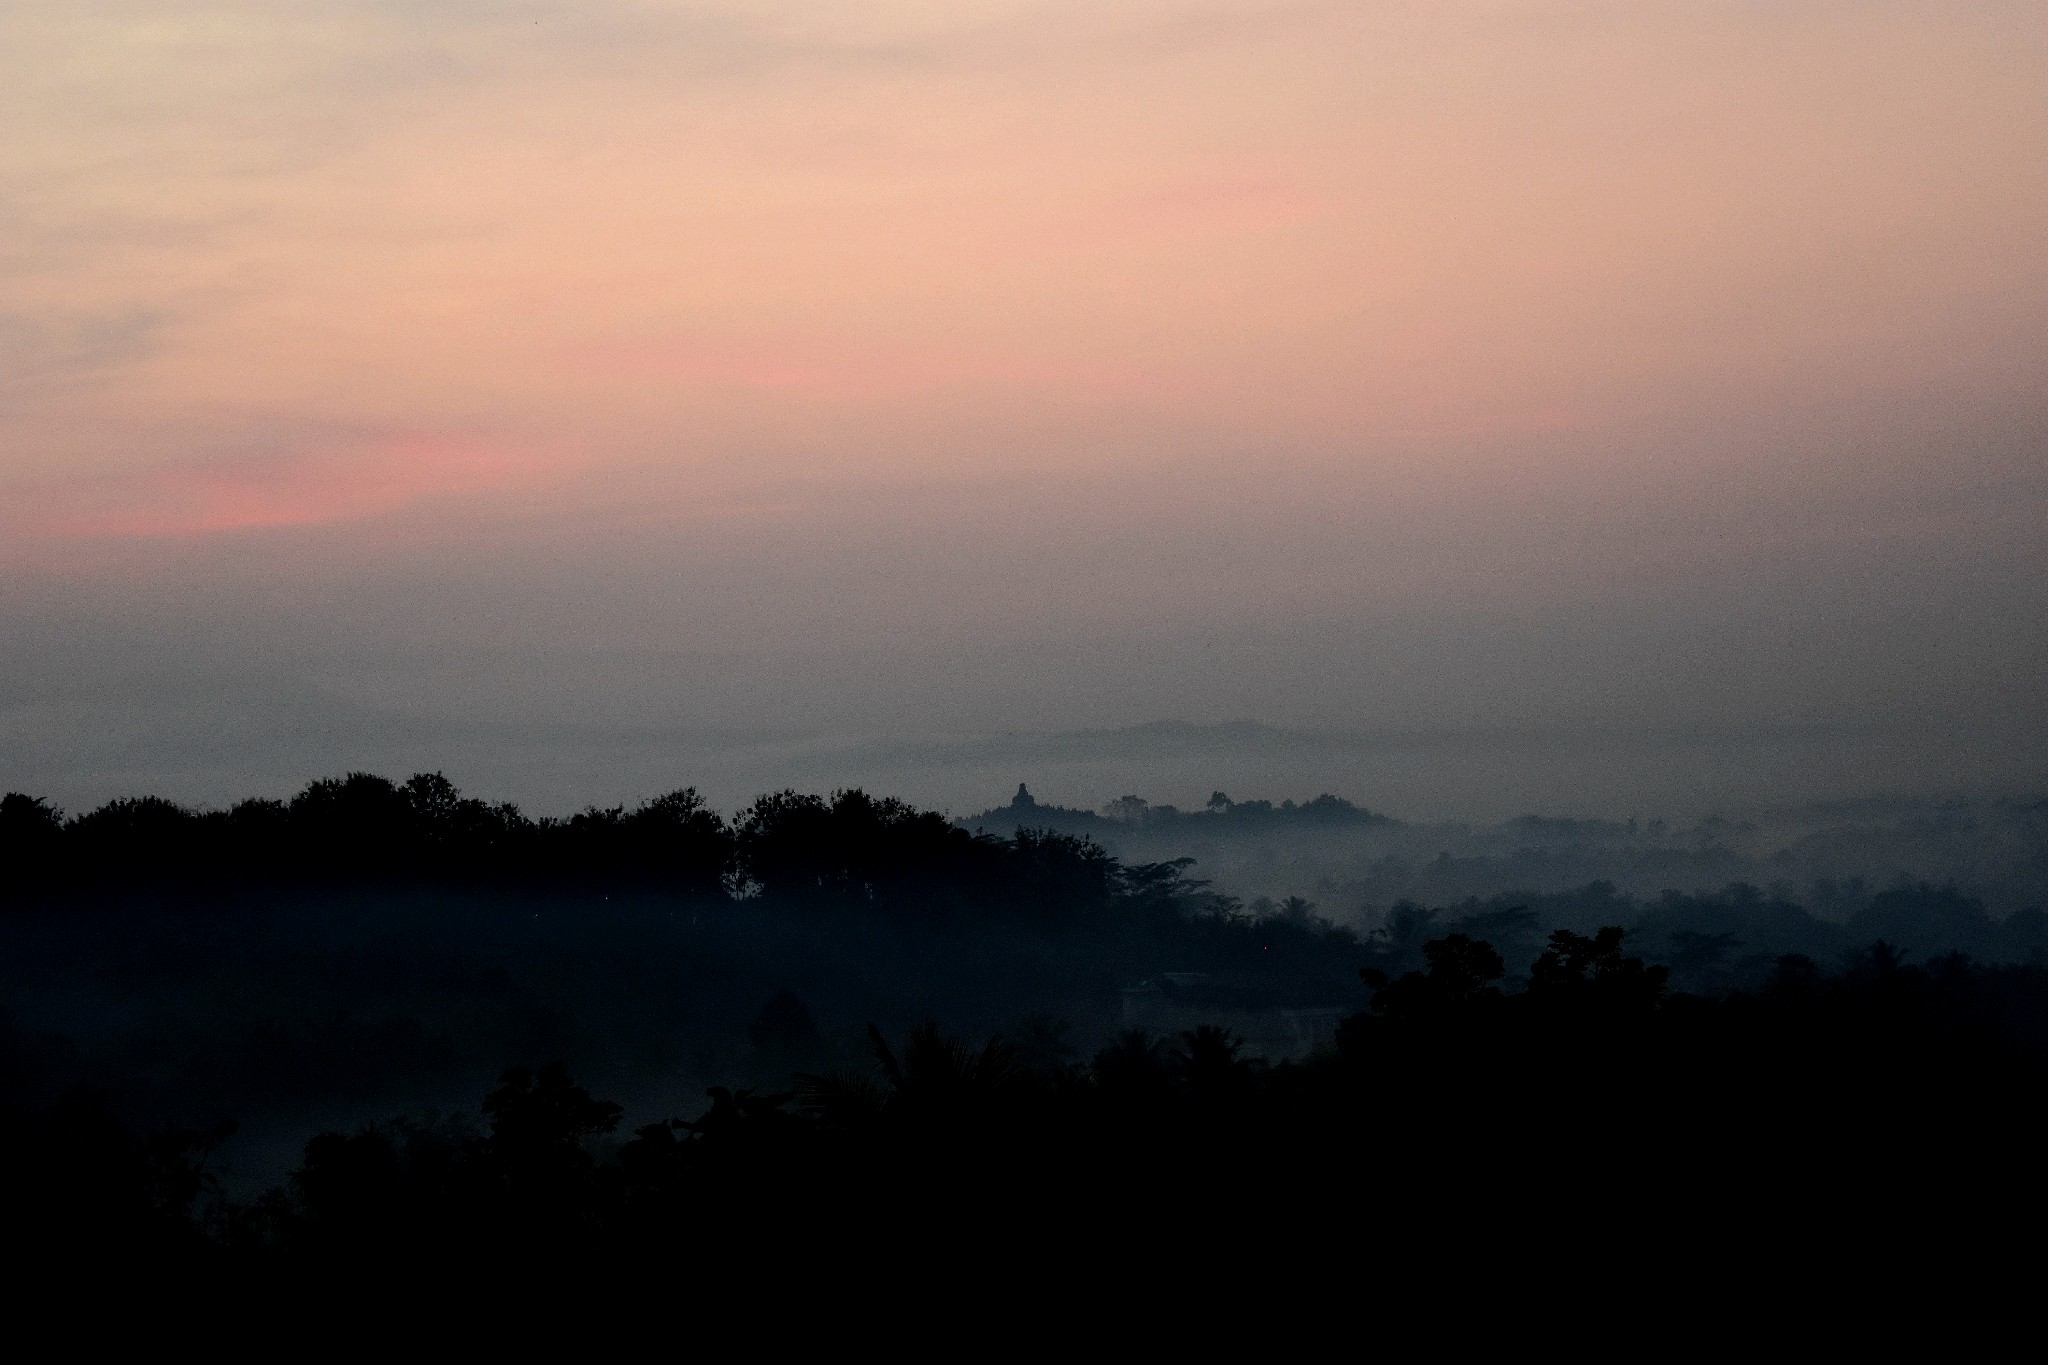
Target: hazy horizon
{"points": [[1417, 776]]}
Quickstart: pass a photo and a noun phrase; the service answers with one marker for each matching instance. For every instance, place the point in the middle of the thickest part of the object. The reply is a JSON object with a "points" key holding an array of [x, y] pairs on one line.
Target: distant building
{"points": [[1025, 811]]}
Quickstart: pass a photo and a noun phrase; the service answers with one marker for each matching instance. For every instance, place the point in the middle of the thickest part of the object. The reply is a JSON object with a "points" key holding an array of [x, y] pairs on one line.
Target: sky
{"points": [[1568, 406]]}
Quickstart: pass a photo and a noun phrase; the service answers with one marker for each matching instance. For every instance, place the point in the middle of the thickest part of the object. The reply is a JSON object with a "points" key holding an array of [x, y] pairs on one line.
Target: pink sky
{"points": [[884, 320]]}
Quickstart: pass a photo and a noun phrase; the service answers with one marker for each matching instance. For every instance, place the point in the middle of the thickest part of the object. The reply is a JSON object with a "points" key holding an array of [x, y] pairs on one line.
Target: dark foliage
{"points": [[362, 829], [1492, 1082], [1634, 1111]]}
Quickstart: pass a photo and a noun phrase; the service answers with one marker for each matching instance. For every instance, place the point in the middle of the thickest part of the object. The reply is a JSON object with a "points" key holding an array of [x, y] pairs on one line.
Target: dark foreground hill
{"points": [[1593, 1116], [187, 991]]}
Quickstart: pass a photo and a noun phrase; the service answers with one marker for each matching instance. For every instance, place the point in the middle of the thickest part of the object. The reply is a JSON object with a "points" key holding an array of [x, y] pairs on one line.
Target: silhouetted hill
{"points": [[369, 946]]}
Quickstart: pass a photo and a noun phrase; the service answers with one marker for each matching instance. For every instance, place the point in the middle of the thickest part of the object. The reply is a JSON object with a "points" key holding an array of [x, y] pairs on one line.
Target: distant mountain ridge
{"points": [[1151, 739]]}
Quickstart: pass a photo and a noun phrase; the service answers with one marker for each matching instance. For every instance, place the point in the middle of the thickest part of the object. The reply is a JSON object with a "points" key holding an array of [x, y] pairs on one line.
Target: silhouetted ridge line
{"points": [[364, 828]]}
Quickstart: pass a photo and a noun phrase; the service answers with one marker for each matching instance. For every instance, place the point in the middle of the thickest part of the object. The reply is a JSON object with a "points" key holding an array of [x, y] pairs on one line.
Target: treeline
{"points": [[371, 945], [365, 828], [1219, 817], [1451, 1113], [1731, 938]]}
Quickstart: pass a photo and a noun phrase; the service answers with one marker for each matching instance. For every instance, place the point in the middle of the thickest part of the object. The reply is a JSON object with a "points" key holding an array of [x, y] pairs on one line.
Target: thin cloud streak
{"points": [[305, 488]]}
